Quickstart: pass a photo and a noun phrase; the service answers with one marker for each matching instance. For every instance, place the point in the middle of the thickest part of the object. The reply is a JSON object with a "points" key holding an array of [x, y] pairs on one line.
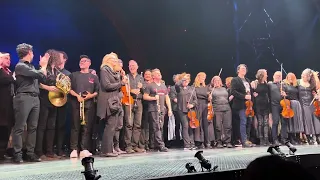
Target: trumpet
{"points": [[82, 115]]}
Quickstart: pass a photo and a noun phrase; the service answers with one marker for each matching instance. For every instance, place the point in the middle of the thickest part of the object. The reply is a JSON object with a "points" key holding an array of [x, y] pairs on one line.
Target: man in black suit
{"points": [[241, 90]]}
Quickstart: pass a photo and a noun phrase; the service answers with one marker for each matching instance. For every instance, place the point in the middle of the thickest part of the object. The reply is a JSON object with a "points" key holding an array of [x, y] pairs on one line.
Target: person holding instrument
{"points": [[84, 87], [203, 92], [186, 100], [156, 93], [295, 124], [48, 111], [261, 101], [223, 115]]}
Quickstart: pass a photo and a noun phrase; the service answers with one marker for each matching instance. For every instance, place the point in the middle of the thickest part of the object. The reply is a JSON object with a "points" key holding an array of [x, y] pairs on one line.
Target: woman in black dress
{"points": [[261, 103], [295, 124]]}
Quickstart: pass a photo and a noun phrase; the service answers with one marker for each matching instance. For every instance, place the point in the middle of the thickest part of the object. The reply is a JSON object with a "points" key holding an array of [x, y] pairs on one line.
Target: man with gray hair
{"points": [[26, 103]]}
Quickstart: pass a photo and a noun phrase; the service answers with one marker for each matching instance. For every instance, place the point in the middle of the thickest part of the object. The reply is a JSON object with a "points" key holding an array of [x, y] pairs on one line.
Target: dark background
{"points": [[175, 36]]}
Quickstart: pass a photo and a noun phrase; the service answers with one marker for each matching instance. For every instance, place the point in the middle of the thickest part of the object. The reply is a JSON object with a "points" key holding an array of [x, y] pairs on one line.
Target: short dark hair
{"points": [[23, 50], [84, 56], [147, 70], [64, 54]]}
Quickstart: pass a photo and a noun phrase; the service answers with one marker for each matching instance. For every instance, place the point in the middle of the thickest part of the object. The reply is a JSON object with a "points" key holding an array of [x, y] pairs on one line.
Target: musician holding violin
{"points": [[222, 113], [203, 92], [187, 101]]}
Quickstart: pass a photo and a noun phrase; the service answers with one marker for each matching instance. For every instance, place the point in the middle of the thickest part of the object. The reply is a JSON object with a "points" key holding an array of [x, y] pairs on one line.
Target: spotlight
{"points": [[89, 172], [275, 150], [292, 149], [190, 168], [203, 162]]}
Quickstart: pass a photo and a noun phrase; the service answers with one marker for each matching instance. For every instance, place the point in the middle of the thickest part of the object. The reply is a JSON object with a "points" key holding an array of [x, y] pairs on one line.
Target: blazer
{"points": [[239, 92]]}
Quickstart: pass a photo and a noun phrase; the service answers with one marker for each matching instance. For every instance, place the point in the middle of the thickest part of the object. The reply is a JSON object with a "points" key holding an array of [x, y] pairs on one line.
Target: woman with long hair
{"points": [[202, 91], [307, 85], [222, 112], [186, 101], [295, 124], [261, 102]]}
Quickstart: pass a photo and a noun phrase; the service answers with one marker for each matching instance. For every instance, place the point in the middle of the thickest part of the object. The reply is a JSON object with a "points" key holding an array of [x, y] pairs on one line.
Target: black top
{"points": [[202, 94], [184, 94], [154, 89], [134, 84], [82, 82], [49, 81], [65, 72], [305, 95], [239, 91], [220, 100], [27, 78], [274, 93], [6, 107], [262, 100], [291, 91], [173, 95]]}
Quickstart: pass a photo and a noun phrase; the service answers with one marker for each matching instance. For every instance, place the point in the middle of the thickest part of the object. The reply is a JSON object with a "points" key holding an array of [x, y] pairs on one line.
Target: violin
{"points": [[127, 99], [316, 105], [210, 112], [287, 112], [249, 109], [194, 122]]}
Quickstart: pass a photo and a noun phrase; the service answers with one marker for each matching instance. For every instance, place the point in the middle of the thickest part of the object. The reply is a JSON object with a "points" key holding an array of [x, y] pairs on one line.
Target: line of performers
{"points": [[119, 113]]}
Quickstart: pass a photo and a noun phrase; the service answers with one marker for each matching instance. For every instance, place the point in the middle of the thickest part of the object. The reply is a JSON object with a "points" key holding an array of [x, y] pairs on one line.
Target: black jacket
{"points": [[239, 92]]}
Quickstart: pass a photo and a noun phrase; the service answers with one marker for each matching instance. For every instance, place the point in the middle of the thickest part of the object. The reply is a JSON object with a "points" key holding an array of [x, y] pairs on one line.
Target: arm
{"points": [[177, 86], [172, 93], [146, 95], [24, 70], [168, 102], [105, 82], [234, 90], [194, 99]]}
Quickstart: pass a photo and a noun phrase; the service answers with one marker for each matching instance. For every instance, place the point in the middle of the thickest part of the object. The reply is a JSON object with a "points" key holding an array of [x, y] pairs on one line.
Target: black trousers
{"points": [[4, 139], [187, 132], [235, 126], [26, 110], [132, 129], [46, 128], [157, 127], [204, 124], [223, 126], [60, 135], [109, 132], [145, 129], [81, 134], [263, 125], [116, 137], [276, 118], [178, 126]]}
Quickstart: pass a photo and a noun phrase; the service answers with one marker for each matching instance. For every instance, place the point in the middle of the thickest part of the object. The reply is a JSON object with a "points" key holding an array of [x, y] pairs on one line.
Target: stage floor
{"points": [[140, 166]]}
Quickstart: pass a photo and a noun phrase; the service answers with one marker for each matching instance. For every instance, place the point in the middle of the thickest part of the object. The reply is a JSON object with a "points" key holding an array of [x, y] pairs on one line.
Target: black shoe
{"points": [[17, 158], [219, 145], [32, 158], [229, 145], [163, 149]]}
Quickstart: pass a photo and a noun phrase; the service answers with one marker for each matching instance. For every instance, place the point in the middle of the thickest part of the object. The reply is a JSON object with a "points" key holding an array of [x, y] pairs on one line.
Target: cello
{"points": [[287, 112]]}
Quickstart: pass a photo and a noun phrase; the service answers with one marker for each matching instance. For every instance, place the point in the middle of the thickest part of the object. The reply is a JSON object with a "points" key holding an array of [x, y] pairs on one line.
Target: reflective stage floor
{"points": [[140, 166]]}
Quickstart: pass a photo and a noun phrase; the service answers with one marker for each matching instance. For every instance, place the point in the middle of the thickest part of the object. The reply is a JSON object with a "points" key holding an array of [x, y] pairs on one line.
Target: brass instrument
{"points": [[82, 115], [63, 83]]}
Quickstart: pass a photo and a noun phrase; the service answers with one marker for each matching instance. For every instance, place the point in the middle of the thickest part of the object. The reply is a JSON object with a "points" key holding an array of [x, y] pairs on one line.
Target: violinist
{"points": [[306, 85], [156, 93], [241, 90], [223, 115], [295, 124], [202, 91], [275, 95], [132, 129], [186, 100], [261, 101]]}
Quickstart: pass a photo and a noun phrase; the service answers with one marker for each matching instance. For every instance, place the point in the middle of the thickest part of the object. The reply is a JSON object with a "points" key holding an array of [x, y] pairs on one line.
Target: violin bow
{"points": [[213, 87], [129, 89]]}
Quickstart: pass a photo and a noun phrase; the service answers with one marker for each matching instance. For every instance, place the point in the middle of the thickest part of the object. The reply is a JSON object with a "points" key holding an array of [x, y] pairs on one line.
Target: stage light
{"points": [[292, 149], [89, 172], [190, 168], [275, 150], [204, 162]]}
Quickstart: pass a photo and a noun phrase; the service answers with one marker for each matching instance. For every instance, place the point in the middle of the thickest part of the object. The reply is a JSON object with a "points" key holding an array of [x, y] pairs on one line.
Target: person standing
{"points": [[156, 94], [6, 95], [26, 103], [84, 87], [241, 90]]}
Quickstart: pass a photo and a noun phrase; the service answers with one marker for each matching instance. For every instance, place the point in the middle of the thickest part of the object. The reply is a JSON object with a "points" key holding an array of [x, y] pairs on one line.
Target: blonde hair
{"points": [[107, 57], [293, 77], [228, 81], [197, 79]]}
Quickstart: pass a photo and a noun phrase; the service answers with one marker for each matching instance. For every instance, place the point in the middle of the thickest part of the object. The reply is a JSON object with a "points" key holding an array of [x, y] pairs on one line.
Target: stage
{"points": [[141, 166]]}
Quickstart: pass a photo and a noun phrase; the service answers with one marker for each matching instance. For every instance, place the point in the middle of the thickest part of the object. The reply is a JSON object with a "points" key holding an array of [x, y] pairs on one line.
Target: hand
{"points": [[284, 94], [139, 85], [254, 84], [80, 99], [14, 75], [135, 91], [123, 73], [255, 94], [248, 97], [169, 113], [88, 96], [231, 97], [209, 98], [175, 100], [44, 60], [270, 120], [190, 106], [53, 89], [156, 97]]}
